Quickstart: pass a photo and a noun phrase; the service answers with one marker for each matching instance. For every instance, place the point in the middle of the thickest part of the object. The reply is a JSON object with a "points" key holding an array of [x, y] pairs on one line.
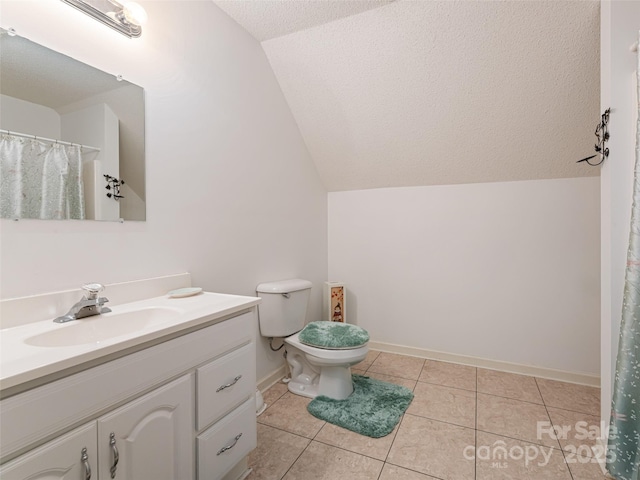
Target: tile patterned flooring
{"points": [[455, 409]]}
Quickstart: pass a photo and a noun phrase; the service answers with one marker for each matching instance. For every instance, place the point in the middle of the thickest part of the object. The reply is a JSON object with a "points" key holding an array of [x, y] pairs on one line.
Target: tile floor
{"points": [[455, 409]]}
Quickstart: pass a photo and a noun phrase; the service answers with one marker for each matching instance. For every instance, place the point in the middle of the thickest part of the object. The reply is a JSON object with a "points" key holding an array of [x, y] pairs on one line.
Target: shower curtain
{"points": [[40, 180], [623, 459]]}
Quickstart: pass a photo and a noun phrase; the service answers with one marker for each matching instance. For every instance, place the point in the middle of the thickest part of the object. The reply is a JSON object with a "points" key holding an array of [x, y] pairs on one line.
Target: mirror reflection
{"points": [[71, 137]]}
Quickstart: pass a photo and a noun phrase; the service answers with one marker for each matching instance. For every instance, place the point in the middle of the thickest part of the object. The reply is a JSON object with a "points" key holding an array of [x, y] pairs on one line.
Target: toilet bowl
{"points": [[321, 371], [314, 370]]}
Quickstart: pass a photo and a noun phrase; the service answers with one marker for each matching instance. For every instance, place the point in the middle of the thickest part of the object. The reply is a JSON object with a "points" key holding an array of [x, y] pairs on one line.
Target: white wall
{"points": [[128, 106], [232, 194], [502, 271], [619, 30], [92, 180], [97, 126], [131, 206], [21, 116]]}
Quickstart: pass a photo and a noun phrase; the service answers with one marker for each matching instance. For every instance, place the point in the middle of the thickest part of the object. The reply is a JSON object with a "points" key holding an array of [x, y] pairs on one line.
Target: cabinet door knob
{"points": [[84, 458], [235, 380], [116, 455], [229, 447]]}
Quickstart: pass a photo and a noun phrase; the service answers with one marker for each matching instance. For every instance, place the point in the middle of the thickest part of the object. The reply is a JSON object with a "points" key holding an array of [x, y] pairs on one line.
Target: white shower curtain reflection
{"points": [[40, 180]]}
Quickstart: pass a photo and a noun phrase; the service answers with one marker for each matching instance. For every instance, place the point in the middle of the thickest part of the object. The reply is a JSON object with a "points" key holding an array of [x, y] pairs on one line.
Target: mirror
{"points": [[71, 137]]}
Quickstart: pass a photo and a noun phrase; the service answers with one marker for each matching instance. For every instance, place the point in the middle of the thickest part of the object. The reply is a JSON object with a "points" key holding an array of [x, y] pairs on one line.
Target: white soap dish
{"points": [[184, 292]]}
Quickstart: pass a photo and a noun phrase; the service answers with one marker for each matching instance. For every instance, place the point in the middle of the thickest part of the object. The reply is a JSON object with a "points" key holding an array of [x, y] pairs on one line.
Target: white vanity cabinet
{"points": [[70, 457], [150, 437], [180, 409]]}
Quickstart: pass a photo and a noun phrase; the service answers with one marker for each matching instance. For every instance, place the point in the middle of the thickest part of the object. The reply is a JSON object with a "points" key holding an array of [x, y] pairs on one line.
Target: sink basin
{"points": [[100, 328]]}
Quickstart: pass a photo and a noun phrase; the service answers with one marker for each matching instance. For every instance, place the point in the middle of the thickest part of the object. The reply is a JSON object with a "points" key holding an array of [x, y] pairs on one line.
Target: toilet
{"points": [[315, 370]]}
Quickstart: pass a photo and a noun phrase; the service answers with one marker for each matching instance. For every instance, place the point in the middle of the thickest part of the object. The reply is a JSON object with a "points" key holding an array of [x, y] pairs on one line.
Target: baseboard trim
{"points": [[272, 378], [571, 377]]}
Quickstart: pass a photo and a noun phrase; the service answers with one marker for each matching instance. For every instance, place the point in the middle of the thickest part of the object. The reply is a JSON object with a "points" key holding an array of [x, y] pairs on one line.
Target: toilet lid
{"points": [[333, 335]]}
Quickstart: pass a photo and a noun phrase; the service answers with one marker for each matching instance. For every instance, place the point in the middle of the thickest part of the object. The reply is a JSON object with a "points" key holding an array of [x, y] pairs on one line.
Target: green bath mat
{"points": [[373, 409]]}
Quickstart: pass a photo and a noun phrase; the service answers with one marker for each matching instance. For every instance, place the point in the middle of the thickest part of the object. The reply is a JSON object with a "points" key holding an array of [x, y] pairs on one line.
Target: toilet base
{"points": [[333, 382], [327, 373], [305, 390]]}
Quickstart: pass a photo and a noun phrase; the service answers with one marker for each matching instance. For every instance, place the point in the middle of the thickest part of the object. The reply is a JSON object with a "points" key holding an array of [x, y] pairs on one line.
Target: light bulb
{"points": [[134, 14]]}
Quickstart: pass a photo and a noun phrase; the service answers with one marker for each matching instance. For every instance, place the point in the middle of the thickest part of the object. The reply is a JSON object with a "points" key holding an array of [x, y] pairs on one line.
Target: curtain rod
{"points": [[51, 140]]}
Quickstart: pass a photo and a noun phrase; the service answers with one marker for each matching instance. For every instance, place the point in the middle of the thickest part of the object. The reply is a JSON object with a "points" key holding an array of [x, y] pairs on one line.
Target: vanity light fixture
{"points": [[125, 17]]}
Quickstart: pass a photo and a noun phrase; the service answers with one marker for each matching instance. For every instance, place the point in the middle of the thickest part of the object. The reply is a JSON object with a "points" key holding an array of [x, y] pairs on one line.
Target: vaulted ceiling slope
{"points": [[443, 92], [266, 19]]}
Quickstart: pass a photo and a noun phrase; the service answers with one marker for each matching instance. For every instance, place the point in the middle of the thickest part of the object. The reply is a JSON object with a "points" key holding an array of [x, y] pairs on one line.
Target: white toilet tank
{"points": [[284, 307]]}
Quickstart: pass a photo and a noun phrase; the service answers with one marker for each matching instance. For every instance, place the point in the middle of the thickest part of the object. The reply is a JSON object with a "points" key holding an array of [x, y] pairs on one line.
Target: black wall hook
{"points": [[602, 134], [113, 184]]}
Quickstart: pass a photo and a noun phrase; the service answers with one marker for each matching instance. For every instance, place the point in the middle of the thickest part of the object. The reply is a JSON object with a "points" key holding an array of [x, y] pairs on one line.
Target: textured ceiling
{"points": [[439, 92], [265, 19]]}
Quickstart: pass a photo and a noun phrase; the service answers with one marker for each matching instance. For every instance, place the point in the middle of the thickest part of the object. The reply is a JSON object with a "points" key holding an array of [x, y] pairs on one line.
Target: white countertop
{"points": [[21, 361]]}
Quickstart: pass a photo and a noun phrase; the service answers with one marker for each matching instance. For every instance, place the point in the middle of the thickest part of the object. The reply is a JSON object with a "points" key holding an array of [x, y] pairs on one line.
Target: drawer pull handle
{"points": [[235, 380], [84, 458], [116, 455], [229, 447]]}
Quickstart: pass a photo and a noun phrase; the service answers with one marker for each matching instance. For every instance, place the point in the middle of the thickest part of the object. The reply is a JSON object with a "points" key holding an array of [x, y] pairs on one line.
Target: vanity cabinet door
{"points": [[69, 457], [151, 437]]}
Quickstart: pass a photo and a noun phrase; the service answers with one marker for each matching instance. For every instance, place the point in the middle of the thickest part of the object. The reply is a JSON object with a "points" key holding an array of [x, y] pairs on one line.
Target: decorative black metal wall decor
{"points": [[113, 184], [602, 134]]}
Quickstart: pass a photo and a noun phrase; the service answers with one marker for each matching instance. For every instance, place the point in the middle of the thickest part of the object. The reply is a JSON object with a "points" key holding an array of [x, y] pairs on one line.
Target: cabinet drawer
{"points": [[225, 383], [222, 446]]}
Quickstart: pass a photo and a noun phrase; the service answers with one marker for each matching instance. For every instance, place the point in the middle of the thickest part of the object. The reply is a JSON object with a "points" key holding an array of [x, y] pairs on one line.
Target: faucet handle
{"points": [[93, 289]]}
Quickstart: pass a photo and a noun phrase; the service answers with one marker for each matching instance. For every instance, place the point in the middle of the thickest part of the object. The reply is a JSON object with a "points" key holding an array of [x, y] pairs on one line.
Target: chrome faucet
{"points": [[90, 304]]}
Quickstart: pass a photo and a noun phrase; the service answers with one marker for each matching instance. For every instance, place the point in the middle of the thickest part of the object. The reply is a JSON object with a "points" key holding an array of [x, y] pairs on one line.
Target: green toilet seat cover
{"points": [[333, 335]]}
